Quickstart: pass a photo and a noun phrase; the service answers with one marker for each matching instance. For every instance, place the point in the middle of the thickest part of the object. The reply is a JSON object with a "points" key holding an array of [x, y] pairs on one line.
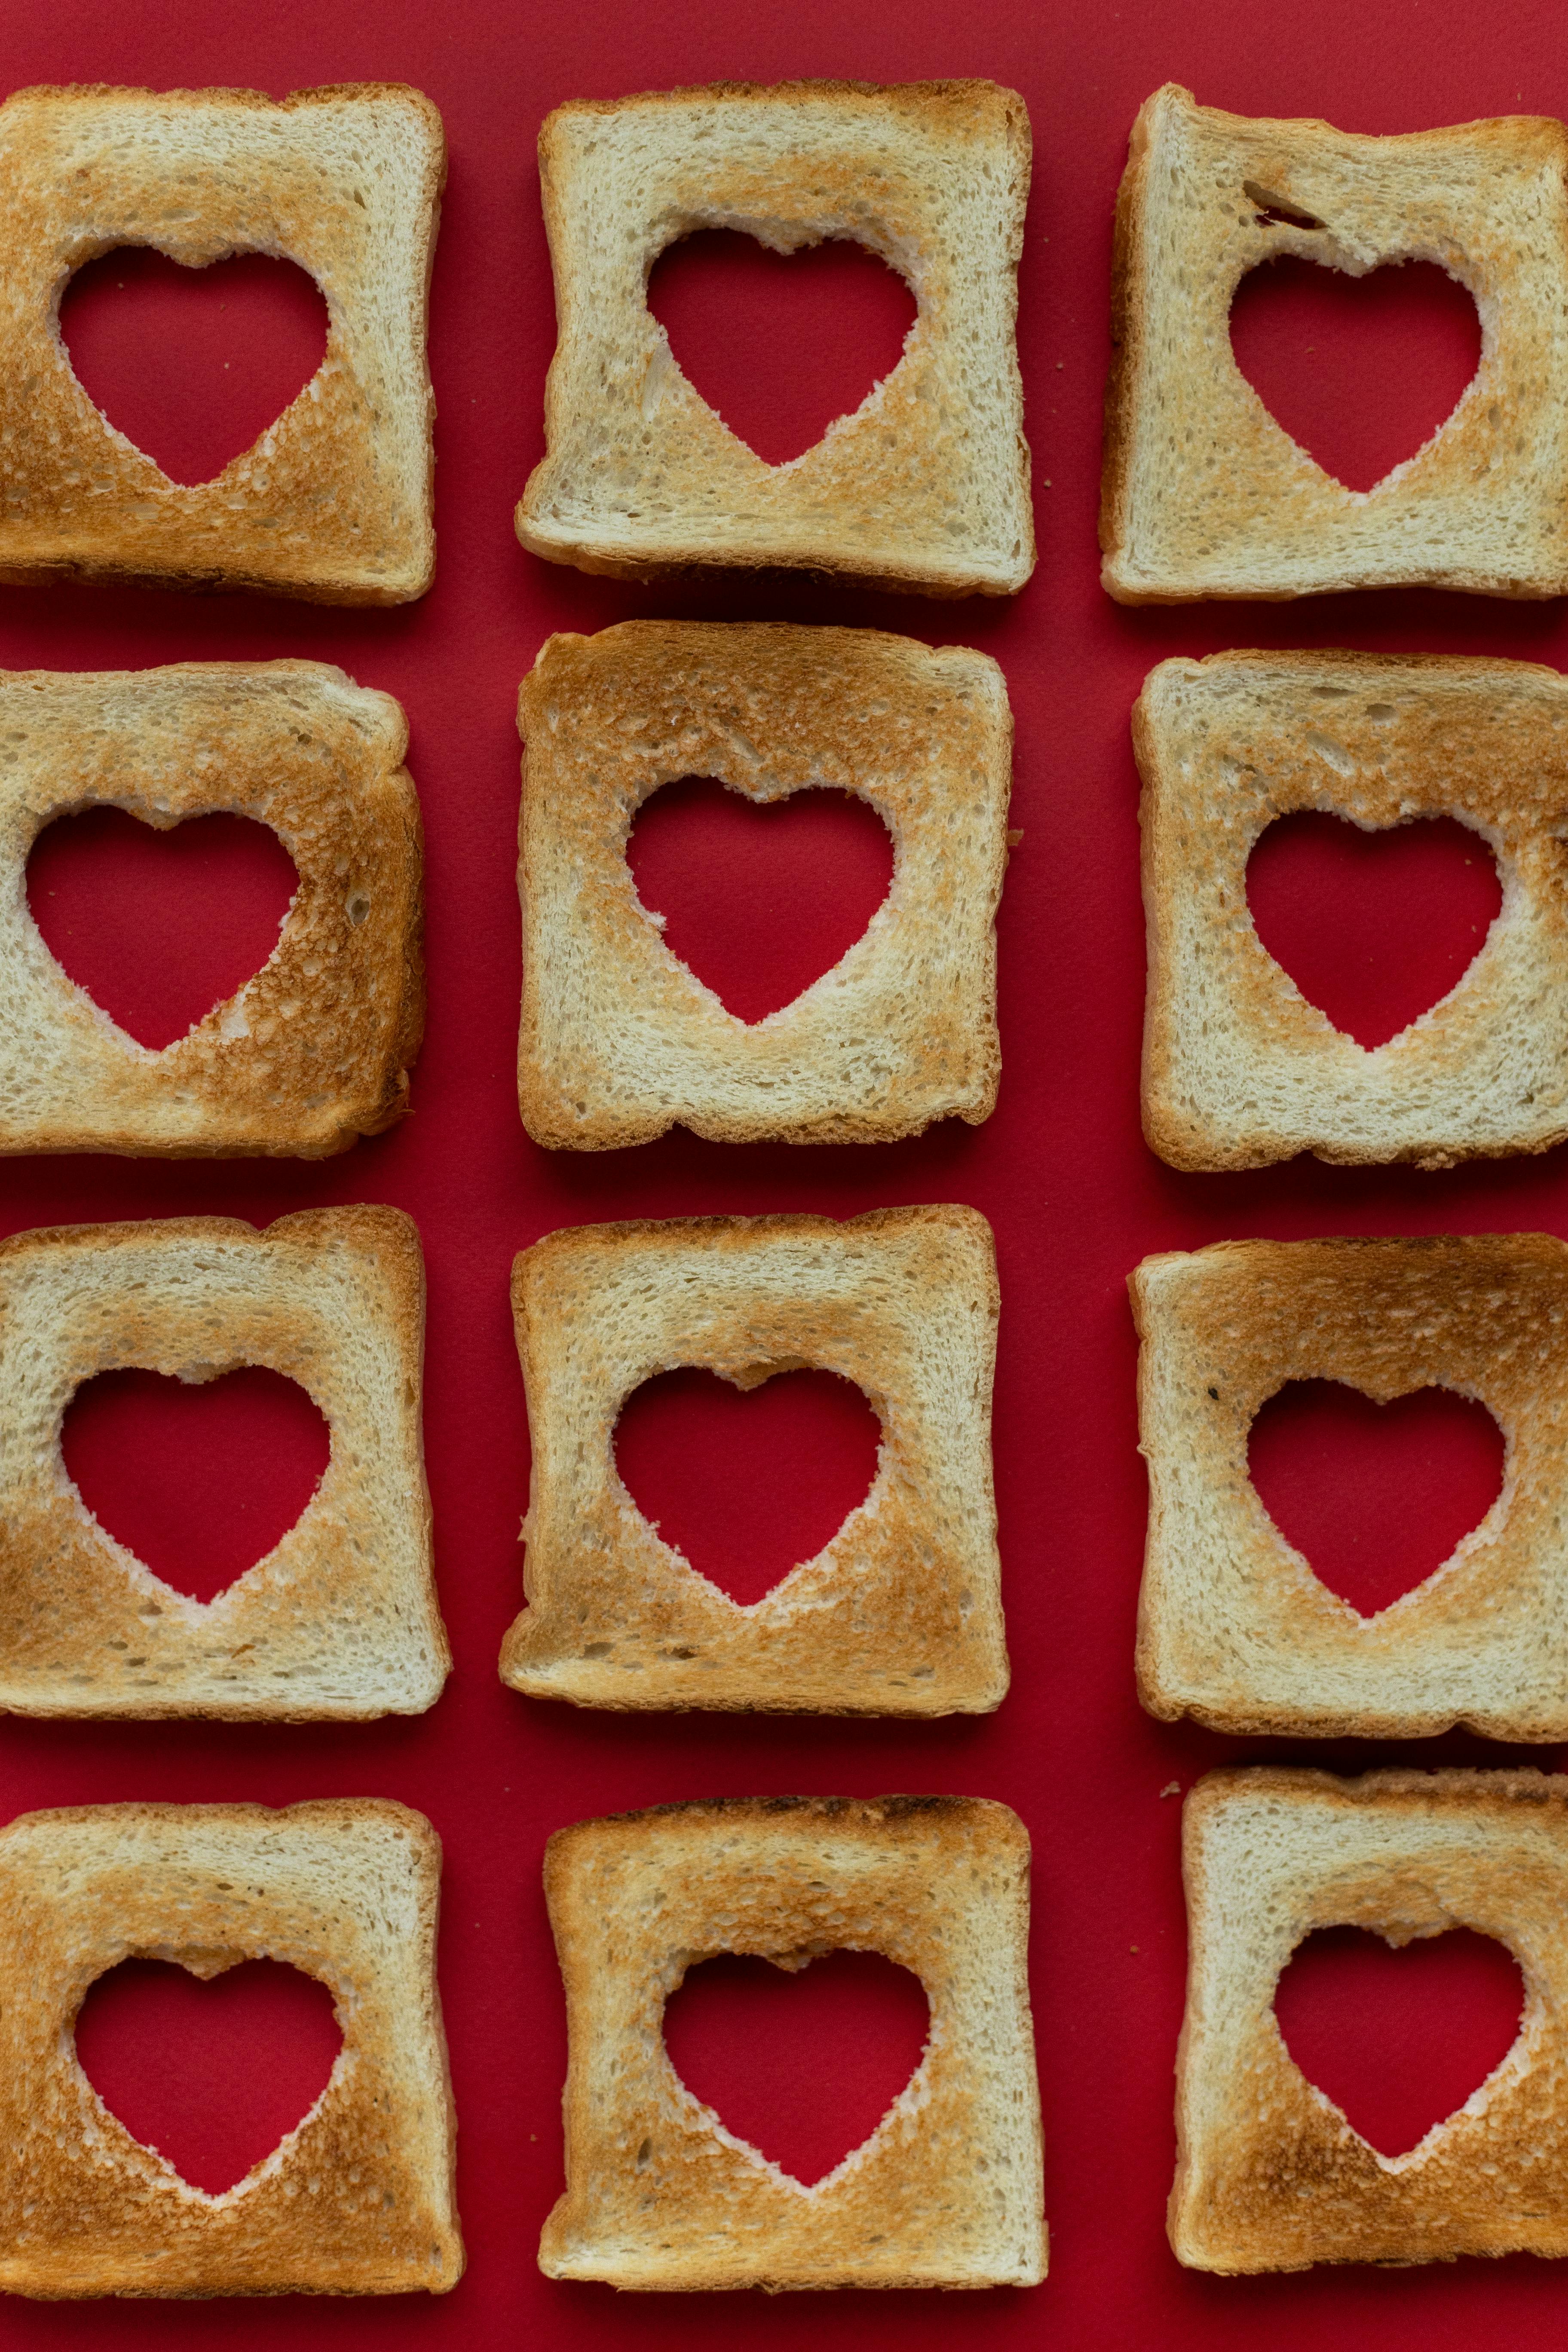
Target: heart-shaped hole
{"points": [[199, 1481], [193, 365], [759, 898], [1398, 2038], [747, 1482], [780, 344], [159, 926], [1361, 371], [1373, 928], [802, 2063], [209, 2074], [1374, 1497]]}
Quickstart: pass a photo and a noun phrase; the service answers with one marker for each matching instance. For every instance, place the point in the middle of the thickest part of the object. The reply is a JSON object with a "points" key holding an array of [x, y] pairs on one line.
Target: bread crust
{"points": [[1234, 1627], [900, 1613], [1240, 1070], [333, 503], [1269, 2174], [946, 2192], [314, 1051], [619, 1040], [1204, 494], [339, 1620], [925, 489], [357, 2199]]}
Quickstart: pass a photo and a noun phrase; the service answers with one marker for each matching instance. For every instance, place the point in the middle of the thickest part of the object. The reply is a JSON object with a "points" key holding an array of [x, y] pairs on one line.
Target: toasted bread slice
{"points": [[1233, 1626], [900, 1613], [314, 1051], [926, 487], [1239, 1069], [338, 1619], [946, 2192], [1205, 494], [357, 2199], [620, 1039], [334, 501], [1269, 2174]]}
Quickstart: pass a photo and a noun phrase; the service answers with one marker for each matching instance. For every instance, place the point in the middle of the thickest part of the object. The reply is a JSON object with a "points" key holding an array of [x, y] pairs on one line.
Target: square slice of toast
{"points": [[1234, 1627], [900, 1613], [947, 2191], [335, 502], [620, 1039], [926, 487], [312, 1052], [1239, 1069], [1271, 2176], [339, 1620], [1205, 493], [357, 2199]]}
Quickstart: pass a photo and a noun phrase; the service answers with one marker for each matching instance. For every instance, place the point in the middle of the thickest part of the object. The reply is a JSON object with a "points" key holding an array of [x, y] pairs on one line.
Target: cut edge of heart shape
{"points": [[1358, 275], [1402, 827], [904, 2102], [1475, 2100], [205, 1964], [1426, 2145], [1475, 1538], [188, 1603], [783, 245], [228, 1012], [194, 268], [754, 1377], [876, 921], [197, 1611]]}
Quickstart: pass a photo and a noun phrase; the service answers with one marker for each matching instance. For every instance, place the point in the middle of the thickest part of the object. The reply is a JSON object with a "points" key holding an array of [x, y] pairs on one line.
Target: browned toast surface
{"points": [[1239, 1069], [947, 2190], [334, 501], [900, 1613], [314, 1050], [1233, 1627], [1204, 492], [338, 1619], [357, 2200], [925, 488], [1269, 2174], [620, 1039]]}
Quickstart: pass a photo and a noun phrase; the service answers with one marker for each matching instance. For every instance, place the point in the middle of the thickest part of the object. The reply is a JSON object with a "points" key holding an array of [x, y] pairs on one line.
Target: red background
{"points": [[1060, 1169]]}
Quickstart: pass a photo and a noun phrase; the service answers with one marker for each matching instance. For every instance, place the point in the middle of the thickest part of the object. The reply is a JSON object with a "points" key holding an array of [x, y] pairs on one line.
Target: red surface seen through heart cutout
{"points": [[747, 1482], [1373, 928], [801, 2064], [199, 1481], [1398, 2039], [211, 2074], [1374, 1497], [193, 365], [780, 344], [159, 926], [1361, 371], [760, 898]]}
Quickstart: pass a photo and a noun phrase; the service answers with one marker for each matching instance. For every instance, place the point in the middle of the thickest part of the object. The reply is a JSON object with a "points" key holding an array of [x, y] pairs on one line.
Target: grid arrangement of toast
{"points": [[924, 489]]}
